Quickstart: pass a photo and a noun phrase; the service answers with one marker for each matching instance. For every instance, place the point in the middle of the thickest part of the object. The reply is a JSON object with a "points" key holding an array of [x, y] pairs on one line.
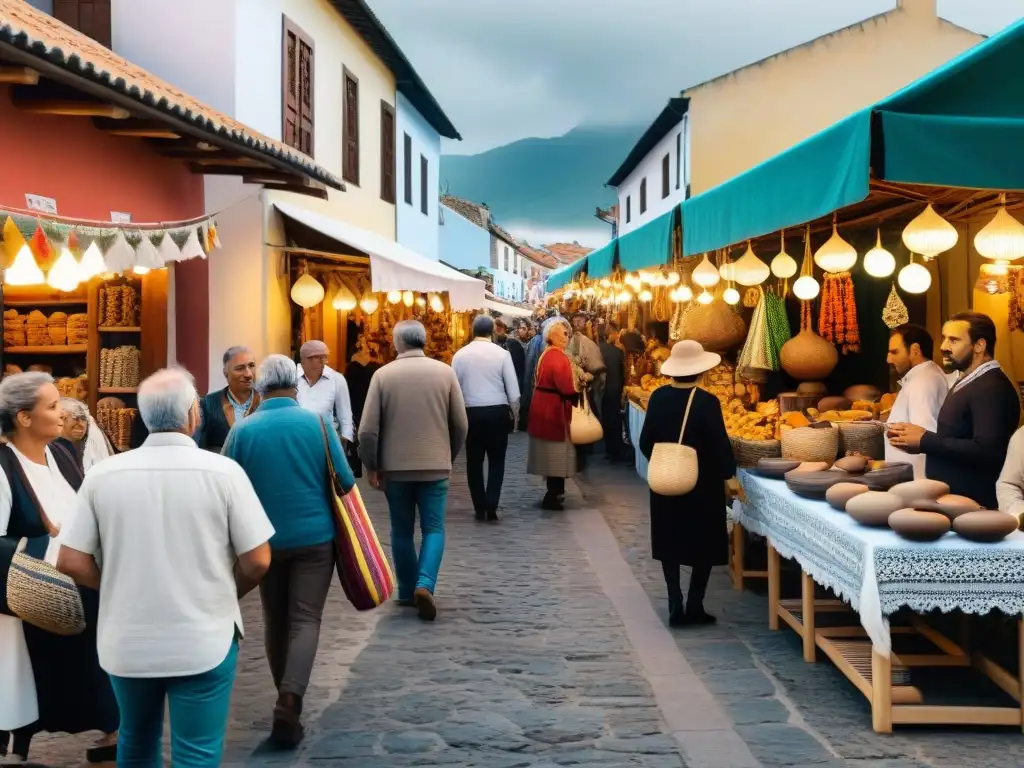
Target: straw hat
{"points": [[688, 358]]}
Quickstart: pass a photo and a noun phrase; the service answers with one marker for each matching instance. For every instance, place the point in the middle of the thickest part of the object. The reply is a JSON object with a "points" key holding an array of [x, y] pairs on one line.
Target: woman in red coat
{"points": [[552, 455]]}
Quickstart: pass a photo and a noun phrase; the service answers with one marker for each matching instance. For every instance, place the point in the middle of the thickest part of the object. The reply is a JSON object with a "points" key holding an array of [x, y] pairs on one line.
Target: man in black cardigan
{"points": [[967, 449]]}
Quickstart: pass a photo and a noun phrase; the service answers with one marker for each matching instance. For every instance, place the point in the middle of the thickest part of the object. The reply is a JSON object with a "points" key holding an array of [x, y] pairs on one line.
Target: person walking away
{"points": [[611, 404], [923, 388], [182, 536], [82, 436], [979, 416], [414, 425], [221, 409], [283, 450], [551, 453], [323, 390], [689, 529], [487, 379], [48, 683]]}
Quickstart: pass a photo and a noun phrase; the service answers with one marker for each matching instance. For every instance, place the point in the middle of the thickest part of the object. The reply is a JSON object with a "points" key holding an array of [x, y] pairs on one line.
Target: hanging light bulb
{"points": [[705, 275], [24, 270], [421, 301], [750, 270], [394, 297], [705, 297], [64, 275], [783, 266], [929, 234], [644, 277], [369, 304], [344, 300], [436, 304], [307, 292], [914, 278], [878, 262], [731, 296], [624, 297], [408, 298], [92, 263], [589, 291], [606, 283], [836, 255], [806, 288], [685, 293], [1002, 239], [673, 278], [645, 295]]}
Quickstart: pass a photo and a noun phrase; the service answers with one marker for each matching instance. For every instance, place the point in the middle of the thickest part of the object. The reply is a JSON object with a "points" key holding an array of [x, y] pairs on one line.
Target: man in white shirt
{"points": [[171, 536], [323, 390], [490, 388], [923, 388]]}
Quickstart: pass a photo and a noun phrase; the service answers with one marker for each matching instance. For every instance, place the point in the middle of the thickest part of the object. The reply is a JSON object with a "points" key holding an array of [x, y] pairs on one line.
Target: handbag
{"points": [[584, 427], [673, 469], [362, 565], [40, 595]]}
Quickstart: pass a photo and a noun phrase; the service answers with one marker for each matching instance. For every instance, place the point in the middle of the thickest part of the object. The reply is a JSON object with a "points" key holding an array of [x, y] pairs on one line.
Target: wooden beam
{"points": [[222, 169], [271, 177], [142, 129], [69, 108], [19, 76], [218, 159], [300, 189], [194, 153], [343, 257]]}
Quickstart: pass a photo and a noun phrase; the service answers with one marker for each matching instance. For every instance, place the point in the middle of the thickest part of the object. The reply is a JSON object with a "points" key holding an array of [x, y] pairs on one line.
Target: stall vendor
{"points": [[968, 447], [219, 410]]}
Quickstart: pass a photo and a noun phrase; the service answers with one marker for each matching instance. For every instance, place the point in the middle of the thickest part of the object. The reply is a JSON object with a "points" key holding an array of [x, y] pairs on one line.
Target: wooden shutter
{"points": [[407, 165], [90, 17], [387, 152], [297, 68], [350, 129], [424, 185], [306, 95]]}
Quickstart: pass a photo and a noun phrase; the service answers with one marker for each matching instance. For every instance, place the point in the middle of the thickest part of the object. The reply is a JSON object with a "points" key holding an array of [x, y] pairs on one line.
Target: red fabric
{"points": [[550, 412]]}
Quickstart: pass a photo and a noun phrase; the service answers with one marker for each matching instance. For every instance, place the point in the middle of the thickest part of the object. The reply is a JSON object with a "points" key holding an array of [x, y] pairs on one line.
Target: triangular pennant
{"points": [[146, 254], [214, 236], [168, 250], [120, 256], [192, 249], [180, 236], [13, 241]]}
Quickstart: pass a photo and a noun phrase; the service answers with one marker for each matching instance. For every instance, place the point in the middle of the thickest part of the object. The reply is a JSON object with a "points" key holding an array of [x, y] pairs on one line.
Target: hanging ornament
{"points": [[192, 248], [672, 278], [24, 270], [421, 301], [750, 297], [65, 274], [436, 303], [147, 256], [731, 296], [394, 297], [120, 256], [704, 274], [806, 287], [1002, 239], [837, 319], [783, 265], [369, 303], [929, 234], [705, 297], [408, 298], [307, 291], [727, 271], [750, 270], [13, 241], [41, 248], [914, 278], [344, 300], [895, 313], [92, 263], [168, 250], [645, 295], [836, 255], [878, 262]]}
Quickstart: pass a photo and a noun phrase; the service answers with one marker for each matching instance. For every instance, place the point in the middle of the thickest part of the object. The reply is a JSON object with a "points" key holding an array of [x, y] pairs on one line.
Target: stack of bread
{"points": [[119, 368], [78, 328], [117, 423], [14, 329], [118, 306], [57, 328], [37, 332]]}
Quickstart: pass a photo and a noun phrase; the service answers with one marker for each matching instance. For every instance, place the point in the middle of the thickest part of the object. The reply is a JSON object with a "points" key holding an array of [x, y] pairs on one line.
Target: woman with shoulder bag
{"points": [[690, 457], [48, 683]]}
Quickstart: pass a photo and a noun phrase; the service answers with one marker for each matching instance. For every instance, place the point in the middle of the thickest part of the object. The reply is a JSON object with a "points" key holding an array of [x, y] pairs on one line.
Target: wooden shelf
{"points": [[118, 390], [47, 303], [120, 329], [73, 349]]}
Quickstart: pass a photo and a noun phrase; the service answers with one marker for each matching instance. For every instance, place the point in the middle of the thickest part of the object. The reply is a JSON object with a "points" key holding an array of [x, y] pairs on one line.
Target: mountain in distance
{"points": [[544, 184]]}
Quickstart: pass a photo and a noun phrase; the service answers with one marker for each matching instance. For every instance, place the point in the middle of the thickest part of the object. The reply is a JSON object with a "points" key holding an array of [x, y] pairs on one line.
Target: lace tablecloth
{"points": [[875, 570]]}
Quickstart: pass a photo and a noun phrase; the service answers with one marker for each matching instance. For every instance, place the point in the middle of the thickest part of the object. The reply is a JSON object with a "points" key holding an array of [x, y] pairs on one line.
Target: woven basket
{"points": [[39, 594], [808, 444], [866, 439], [748, 452]]}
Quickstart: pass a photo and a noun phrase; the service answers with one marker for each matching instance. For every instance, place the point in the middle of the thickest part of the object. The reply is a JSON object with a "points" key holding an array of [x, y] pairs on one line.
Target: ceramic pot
{"points": [[986, 525], [811, 388], [916, 525], [873, 508], [775, 469], [833, 403], [950, 505], [813, 485], [808, 357], [889, 475], [839, 494], [919, 489]]}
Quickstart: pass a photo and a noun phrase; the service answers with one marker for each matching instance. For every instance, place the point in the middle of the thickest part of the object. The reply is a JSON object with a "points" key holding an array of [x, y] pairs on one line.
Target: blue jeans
{"points": [[199, 716], [404, 497]]}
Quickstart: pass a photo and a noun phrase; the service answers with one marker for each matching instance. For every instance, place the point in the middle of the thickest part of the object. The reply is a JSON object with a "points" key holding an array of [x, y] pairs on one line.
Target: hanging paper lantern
{"points": [[878, 262], [836, 255], [24, 270], [65, 274], [731, 296], [408, 298], [705, 297], [394, 297], [344, 300], [421, 301], [727, 271], [705, 275], [606, 283], [92, 263], [750, 270], [624, 297], [192, 248], [673, 278], [369, 303], [929, 234], [783, 265], [13, 241], [645, 295], [307, 292], [806, 288], [914, 278], [436, 303], [1002, 239]]}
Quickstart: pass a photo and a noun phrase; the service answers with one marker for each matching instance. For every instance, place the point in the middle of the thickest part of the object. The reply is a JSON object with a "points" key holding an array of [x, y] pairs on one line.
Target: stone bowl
{"points": [[918, 525], [919, 489], [813, 485], [951, 505], [775, 468], [986, 525], [855, 465], [886, 477], [873, 508], [840, 494]]}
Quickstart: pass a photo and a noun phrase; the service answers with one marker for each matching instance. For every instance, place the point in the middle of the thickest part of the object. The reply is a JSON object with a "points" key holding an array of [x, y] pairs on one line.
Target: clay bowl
{"points": [[919, 489], [987, 525], [811, 388], [839, 494], [774, 468], [917, 525], [873, 508], [833, 403], [855, 465], [951, 505], [889, 475], [813, 485]]}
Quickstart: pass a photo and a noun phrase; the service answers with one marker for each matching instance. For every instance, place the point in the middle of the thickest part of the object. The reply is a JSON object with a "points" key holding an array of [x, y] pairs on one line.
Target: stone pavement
{"points": [[550, 649]]}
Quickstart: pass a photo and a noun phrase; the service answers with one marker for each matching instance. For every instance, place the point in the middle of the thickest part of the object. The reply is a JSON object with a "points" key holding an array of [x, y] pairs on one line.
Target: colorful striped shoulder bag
{"points": [[363, 567]]}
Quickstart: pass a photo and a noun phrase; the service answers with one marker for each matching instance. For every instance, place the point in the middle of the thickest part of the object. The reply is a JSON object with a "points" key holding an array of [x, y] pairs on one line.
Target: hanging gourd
{"points": [[929, 234], [807, 356], [895, 313], [836, 255], [750, 270]]}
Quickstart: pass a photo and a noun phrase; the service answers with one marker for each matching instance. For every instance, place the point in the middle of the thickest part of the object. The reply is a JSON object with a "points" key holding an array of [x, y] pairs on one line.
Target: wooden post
{"points": [[773, 587], [807, 612], [881, 692], [737, 556]]}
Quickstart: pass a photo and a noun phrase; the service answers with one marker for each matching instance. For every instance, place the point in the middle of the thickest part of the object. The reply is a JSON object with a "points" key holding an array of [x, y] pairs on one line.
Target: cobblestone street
{"points": [[550, 649]]}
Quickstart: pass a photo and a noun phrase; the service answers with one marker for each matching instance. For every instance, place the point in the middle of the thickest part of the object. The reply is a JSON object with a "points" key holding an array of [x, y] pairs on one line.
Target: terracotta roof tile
{"points": [[568, 253], [474, 212], [539, 256], [44, 38]]}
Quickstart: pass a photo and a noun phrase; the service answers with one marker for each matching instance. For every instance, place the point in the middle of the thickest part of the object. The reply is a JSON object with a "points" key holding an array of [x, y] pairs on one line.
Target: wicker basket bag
{"points": [[867, 439], [673, 469], [810, 444], [584, 428], [748, 452], [40, 595]]}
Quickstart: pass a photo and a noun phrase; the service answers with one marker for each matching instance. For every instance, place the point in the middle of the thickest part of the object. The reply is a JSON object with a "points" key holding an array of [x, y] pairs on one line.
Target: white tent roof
{"points": [[394, 267]]}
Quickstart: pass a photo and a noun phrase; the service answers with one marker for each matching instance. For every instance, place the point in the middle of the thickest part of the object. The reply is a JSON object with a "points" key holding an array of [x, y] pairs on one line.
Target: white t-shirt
{"points": [[169, 521]]}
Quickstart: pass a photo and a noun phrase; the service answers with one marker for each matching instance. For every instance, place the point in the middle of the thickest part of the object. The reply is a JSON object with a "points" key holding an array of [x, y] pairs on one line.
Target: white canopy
{"points": [[394, 267], [511, 310]]}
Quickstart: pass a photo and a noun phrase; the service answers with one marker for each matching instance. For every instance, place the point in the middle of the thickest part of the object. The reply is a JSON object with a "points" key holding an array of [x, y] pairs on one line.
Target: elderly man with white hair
{"points": [[284, 450], [171, 535], [323, 390], [413, 426]]}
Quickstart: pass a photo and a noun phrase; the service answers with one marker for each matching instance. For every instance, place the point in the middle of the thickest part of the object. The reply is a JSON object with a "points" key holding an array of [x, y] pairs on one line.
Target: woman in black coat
{"points": [[690, 529]]}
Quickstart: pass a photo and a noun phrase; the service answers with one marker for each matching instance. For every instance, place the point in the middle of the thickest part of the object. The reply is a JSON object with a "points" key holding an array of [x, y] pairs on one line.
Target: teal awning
{"points": [[565, 275], [647, 246], [601, 262], [954, 127]]}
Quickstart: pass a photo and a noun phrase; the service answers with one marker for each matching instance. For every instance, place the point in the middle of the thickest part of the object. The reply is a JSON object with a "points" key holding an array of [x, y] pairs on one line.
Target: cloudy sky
{"points": [[509, 69]]}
